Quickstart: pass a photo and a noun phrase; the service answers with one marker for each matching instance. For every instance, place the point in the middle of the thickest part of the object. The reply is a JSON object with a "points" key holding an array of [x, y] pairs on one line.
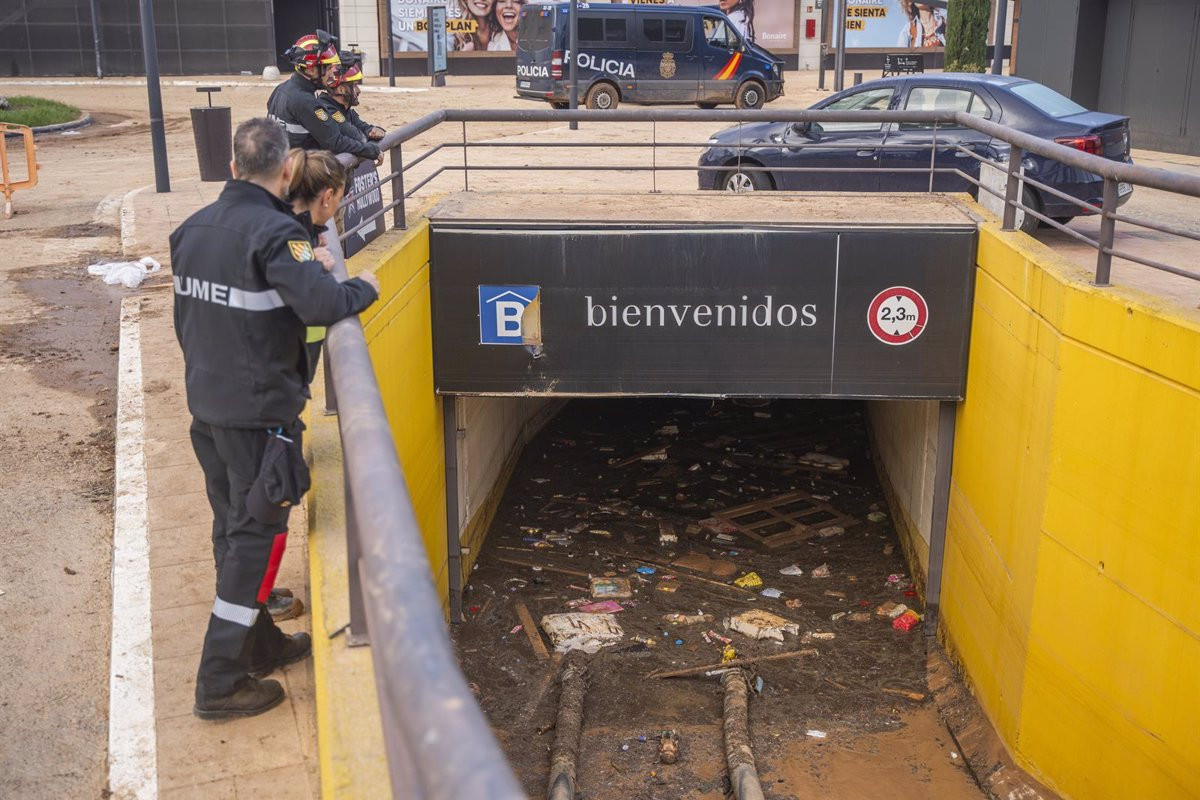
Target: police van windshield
{"points": [[535, 31], [718, 34]]}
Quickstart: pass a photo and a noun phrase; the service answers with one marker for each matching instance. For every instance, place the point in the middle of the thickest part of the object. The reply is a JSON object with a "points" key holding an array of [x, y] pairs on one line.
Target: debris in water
{"points": [[815, 734], [774, 594], [890, 609], [761, 625], [586, 632], [906, 621], [611, 588], [792, 570], [749, 581], [602, 607], [821, 571], [877, 516]]}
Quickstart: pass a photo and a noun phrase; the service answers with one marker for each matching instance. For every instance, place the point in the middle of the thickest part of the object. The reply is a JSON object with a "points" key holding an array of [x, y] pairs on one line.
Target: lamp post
{"points": [[158, 131]]}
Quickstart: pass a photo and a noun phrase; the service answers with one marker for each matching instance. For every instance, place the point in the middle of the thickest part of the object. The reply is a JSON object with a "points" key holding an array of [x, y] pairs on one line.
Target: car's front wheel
{"points": [[745, 180]]}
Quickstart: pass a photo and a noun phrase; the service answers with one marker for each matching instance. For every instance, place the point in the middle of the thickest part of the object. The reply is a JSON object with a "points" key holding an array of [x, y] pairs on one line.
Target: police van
{"points": [[643, 54]]}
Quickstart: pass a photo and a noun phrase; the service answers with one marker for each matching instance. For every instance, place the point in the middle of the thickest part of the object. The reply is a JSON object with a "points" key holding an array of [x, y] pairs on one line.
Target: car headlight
{"points": [[714, 140]]}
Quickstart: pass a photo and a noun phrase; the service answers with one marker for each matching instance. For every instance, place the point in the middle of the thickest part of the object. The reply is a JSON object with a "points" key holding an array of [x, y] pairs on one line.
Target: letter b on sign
{"points": [[501, 311]]}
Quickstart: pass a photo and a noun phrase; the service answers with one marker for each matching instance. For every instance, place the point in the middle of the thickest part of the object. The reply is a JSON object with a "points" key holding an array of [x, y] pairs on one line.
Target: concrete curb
{"points": [[82, 122]]}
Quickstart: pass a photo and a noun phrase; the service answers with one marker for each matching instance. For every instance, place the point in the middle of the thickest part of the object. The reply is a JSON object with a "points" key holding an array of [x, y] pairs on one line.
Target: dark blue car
{"points": [[1015, 102]]}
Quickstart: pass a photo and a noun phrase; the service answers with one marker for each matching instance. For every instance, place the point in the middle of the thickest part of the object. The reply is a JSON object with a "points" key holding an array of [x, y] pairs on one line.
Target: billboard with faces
{"points": [[491, 25]]}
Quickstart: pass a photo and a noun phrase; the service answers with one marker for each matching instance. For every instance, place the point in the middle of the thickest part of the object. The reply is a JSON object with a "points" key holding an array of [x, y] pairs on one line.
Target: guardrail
{"points": [[439, 744]]}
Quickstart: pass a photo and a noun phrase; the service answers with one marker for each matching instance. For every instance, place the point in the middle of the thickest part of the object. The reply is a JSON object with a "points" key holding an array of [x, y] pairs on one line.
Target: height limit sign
{"points": [[897, 315]]}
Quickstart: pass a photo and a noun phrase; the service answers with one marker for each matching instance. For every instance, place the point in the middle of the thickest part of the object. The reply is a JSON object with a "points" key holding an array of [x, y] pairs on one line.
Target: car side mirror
{"points": [[810, 130]]}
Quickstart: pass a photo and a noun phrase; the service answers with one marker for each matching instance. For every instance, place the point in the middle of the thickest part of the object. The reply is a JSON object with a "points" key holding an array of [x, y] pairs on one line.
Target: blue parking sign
{"points": [[501, 309]]}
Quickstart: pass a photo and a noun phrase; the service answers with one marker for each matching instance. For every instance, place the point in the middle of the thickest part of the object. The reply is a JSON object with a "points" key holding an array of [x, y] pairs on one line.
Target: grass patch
{"points": [[37, 111]]}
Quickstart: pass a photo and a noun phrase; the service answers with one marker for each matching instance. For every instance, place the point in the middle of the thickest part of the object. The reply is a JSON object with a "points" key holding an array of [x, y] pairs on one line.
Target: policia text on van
{"points": [[643, 54]]}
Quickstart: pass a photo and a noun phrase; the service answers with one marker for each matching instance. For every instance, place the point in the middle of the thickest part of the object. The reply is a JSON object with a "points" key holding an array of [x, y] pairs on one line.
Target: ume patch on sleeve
{"points": [[301, 251]]}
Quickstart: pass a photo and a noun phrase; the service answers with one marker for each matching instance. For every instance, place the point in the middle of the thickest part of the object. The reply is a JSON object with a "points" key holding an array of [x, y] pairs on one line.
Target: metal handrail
{"points": [[439, 744]]}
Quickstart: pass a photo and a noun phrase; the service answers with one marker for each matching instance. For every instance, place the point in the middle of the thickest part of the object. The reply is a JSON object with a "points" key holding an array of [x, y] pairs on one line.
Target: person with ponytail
{"points": [[315, 192]]}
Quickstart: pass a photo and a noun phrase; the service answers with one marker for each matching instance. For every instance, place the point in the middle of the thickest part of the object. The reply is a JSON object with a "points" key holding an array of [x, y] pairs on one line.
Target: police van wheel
{"points": [[707, 105], [750, 95], [742, 181], [602, 97]]}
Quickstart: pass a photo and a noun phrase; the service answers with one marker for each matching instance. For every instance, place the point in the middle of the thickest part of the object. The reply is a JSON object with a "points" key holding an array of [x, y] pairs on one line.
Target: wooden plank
{"points": [[531, 630], [737, 662], [546, 567]]}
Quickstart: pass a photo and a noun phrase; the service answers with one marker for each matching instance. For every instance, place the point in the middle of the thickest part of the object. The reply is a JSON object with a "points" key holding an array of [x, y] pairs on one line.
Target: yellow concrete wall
{"points": [[905, 434], [398, 331], [1071, 589]]}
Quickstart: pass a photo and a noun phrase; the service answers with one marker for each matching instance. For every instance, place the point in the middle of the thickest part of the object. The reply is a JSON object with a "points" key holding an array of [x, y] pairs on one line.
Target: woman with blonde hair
{"points": [[315, 192], [486, 26]]}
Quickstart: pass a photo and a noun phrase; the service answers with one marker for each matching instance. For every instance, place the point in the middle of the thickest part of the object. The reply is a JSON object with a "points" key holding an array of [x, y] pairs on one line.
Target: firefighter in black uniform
{"points": [[246, 285], [294, 103], [342, 96]]}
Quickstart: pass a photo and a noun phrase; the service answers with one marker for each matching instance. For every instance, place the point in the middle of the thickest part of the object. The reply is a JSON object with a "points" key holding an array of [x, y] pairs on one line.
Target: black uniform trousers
{"points": [[241, 634]]}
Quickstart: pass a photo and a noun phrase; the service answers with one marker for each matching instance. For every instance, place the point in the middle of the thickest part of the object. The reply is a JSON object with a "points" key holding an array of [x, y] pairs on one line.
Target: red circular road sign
{"points": [[897, 315]]}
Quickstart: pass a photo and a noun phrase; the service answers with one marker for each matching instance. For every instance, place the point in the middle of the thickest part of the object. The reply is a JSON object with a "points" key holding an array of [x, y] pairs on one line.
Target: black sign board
{"points": [[903, 63], [364, 179], [782, 312]]}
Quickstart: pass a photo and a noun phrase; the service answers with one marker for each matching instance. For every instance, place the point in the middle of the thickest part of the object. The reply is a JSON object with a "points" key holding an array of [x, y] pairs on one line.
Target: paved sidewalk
{"points": [[273, 754]]}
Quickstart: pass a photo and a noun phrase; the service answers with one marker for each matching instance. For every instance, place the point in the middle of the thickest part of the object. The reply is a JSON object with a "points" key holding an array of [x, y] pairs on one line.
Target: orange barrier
{"points": [[7, 185]]}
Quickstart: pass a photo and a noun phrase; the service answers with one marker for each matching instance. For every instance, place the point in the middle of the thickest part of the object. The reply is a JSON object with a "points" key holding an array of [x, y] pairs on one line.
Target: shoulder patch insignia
{"points": [[338, 117], [322, 115], [301, 251]]}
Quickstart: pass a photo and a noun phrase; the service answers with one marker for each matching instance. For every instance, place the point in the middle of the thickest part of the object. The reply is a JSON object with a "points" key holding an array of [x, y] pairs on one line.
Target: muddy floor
{"points": [[852, 719]]}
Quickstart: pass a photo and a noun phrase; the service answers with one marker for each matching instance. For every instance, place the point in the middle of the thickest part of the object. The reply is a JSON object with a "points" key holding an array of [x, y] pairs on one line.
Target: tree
{"points": [[966, 35]]}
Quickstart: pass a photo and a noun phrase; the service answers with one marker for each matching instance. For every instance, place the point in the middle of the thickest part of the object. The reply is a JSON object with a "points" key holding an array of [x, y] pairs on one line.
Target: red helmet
{"points": [[349, 71], [312, 49]]}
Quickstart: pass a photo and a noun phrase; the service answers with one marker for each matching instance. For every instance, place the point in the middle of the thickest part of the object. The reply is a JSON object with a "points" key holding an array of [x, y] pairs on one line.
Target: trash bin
{"points": [[213, 131]]}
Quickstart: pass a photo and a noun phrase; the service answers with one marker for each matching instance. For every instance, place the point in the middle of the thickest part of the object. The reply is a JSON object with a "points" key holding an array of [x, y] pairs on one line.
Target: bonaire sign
{"points": [[678, 310]]}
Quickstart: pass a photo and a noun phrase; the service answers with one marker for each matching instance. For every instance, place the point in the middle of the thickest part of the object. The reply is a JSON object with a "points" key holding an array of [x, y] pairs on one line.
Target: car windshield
{"points": [[1046, 100]]}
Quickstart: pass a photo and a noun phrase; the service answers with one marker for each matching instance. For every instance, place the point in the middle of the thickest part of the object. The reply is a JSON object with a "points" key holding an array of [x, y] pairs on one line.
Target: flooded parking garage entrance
{"points": [[661, 470], [705, 510]]}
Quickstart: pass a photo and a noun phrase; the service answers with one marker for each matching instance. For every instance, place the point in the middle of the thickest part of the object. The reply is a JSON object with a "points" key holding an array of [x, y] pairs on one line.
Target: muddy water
{"points": [[572, 509]]}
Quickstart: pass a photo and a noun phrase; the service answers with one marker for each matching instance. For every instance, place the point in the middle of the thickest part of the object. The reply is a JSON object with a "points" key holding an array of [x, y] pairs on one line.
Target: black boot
{"points": [[251, 698], [296, 647]]}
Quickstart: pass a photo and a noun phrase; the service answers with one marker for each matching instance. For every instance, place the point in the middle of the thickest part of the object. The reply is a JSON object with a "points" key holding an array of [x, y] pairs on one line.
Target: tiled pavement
{"points": [[274, 754]]}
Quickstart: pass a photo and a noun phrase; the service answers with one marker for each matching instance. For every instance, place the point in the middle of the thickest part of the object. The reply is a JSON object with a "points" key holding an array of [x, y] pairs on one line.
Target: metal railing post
{"points": [[932, 155], [330, 392], [357, 635], [653, 157], [466, 179], [1013, 187], [1108, 228], [396, 165]]}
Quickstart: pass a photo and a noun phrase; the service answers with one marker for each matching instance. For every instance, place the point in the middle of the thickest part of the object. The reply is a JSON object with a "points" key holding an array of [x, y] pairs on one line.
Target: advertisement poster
{"points": [[894, 24], [491, 25]]}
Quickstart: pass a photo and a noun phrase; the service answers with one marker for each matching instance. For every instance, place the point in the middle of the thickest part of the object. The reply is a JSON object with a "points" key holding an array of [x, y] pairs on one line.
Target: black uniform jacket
{"points": [[246, 285], [347, 118], [309, 124]]}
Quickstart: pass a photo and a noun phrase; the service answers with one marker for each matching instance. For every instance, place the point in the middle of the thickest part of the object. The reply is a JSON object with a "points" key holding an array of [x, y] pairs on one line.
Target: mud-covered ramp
{"points": [[581, 504]]}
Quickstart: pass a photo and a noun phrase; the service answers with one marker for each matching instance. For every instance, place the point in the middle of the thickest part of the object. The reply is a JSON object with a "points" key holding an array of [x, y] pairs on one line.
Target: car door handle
{"points": [[865, 153]]}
